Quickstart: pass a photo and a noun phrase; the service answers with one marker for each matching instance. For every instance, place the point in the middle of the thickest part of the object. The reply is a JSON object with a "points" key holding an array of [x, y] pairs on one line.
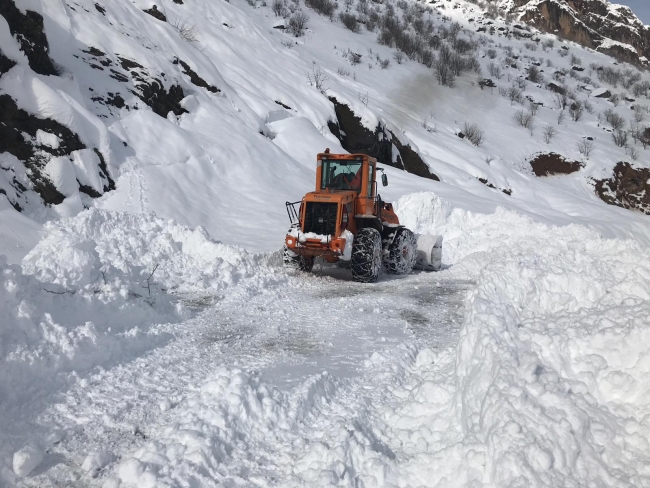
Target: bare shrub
{"points": [[323, 7], [491, 53], [277, 7], [588, 106], [616, 121], [630, 78], [350, 21], [641, 89], [521, 83], [354, 58], [524, 119], [585, 147], [534, 75], [561, 100], [515, 95], [620, 138], [632, 152], [639, 114], [317, 77], [298, 23], [384, 63], [398, 57], [549, 133], [533, 108], [576, 110], [427, 58], [610, 76], [444, 66], [186, 30], [461, 46], [363, 98], [561, 117], [644, 137], [576, 61], [494, 70], [473, 133]]}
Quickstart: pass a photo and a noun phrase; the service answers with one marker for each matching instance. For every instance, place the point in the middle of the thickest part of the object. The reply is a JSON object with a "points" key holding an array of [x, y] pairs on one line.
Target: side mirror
{"points": [[384, 179]]}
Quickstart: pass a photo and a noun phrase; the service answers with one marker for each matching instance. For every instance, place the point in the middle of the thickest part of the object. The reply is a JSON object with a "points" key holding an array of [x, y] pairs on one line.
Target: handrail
{"points": [[294, 218]]}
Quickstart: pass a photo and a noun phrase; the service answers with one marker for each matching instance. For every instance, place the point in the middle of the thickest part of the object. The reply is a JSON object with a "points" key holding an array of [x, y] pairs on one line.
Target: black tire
{"points": [[402, 253], [366, 256], [295, 261]]}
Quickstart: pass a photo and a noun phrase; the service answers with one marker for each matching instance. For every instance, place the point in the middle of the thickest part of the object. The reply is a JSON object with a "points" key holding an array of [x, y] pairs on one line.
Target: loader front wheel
{"points": [[295, 261], [366, 256], [402, 253]]}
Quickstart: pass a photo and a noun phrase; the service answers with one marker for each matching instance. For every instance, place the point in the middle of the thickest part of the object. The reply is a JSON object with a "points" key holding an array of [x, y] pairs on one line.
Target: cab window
{"points": [[339, 174]]}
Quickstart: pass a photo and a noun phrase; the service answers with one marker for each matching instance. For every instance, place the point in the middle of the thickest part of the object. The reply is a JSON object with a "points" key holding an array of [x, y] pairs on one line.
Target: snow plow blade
{"points": [[429, 253]]}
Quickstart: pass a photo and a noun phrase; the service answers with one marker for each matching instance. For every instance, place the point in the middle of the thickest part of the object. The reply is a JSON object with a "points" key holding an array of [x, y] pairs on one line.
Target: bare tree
{"points": [[549, 133], [585, 147], [561, 117]]}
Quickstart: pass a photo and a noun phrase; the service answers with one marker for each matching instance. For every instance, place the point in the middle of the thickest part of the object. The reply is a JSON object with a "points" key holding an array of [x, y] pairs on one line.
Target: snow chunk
{"points": [[96, 461], [26, 460], [46, 139]]}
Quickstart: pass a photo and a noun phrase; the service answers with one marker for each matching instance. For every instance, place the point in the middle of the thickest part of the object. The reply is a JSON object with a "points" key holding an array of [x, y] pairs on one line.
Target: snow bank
{"points": [[87, 296], [100, 245], [551, 371]]}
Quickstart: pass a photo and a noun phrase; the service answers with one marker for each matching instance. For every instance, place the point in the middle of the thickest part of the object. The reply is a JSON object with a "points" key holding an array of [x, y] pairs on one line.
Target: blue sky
{"points": [[640, 7]]}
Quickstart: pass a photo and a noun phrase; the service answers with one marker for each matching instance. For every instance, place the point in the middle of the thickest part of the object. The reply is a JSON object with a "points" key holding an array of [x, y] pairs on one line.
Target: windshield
{"points": [[341, 175]]}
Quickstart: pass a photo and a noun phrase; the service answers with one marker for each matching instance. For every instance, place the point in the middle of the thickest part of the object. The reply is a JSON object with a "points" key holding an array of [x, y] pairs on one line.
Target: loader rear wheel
{"points": [[366, 256], [402, 253], [295, 261]]}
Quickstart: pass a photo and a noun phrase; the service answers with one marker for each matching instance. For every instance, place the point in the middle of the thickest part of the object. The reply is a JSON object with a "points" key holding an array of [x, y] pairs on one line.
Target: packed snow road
{"points": [[250, 388]]}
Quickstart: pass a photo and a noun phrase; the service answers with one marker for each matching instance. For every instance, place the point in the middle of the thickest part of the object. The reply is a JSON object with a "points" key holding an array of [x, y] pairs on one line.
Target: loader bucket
{"points": [[429, 252]]}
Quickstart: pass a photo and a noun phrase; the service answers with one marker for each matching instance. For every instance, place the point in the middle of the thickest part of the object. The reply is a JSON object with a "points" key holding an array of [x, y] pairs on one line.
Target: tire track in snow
{"points": [[281, 340]]}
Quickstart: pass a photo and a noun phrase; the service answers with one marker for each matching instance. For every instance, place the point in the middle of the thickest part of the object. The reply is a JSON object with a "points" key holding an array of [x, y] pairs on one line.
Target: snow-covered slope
{"points": [[188, 117]]}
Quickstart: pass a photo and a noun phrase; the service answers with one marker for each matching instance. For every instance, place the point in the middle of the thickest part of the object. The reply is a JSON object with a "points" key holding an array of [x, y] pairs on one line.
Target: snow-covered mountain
{"points": [[179, 108], [598, 24], [148, 334]]}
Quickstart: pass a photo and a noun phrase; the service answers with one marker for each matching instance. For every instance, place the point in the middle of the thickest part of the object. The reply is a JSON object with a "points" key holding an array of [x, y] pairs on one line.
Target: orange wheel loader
{"points": [[345, 220]]}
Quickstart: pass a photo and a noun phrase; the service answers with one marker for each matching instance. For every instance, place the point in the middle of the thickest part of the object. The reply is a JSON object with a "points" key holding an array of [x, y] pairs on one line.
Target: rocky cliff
{"points": [[598, 24]]}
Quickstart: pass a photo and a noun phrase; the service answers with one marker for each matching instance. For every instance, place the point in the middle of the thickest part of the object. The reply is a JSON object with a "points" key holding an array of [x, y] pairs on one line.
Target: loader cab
{"points": [[346, 172]]}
